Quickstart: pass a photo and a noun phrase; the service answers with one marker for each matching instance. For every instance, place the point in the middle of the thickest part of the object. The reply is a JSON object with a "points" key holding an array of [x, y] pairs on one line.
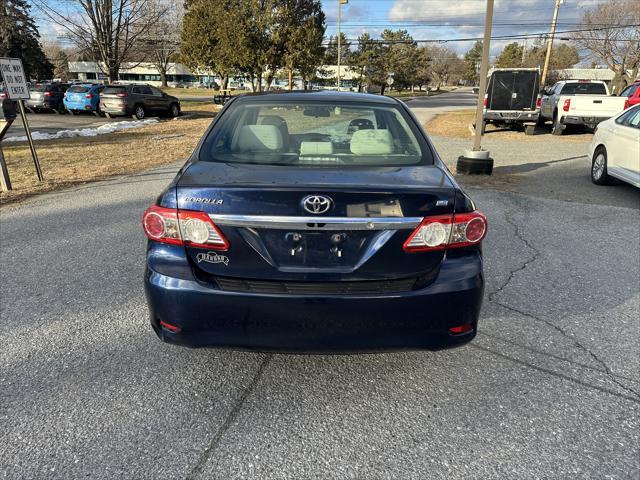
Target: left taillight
{"points": [[539, 102], [447, 231], [184, 227], [567, 105]]}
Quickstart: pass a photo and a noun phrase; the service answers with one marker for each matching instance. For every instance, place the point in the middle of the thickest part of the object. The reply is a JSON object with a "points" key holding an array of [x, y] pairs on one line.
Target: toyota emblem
{"points": [[316, 204]]}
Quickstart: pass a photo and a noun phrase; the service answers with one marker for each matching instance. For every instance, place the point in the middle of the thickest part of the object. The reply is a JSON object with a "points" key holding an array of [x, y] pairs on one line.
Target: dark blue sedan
{"points": [[315, 221]]}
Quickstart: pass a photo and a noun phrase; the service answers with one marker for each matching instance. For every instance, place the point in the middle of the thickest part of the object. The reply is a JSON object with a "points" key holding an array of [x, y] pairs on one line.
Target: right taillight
{"points": [[567, 105], [121, 95], [484, 102], [447, 231], [184, 227], [539, 102]]}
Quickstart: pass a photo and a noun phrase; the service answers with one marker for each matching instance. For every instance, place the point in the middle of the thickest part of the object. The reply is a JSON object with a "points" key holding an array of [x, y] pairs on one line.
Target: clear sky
{"points": [[435, 19]]}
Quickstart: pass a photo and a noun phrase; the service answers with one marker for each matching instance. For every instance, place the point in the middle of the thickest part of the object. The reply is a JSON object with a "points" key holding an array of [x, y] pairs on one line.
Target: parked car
{"points": [[578, 102], [615, 149], [512, 98], [47, 96], [138, 101], [314, 221], [83, 97], [632, 94]]}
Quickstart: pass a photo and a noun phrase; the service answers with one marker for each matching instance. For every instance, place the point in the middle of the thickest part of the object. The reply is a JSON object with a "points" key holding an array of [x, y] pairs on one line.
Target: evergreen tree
{"points": [[471, 63], [510, 57], [19, 38]]}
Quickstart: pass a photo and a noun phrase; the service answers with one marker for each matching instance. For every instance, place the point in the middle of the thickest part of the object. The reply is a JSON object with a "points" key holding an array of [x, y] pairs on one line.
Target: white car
{"points": [[615, 149]]}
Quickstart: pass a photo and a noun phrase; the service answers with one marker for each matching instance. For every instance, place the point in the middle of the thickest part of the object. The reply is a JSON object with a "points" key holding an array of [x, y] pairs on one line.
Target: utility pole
{"points": [[545, 70], [340, 3], [524, 50], [484, 68], [478, 160]]}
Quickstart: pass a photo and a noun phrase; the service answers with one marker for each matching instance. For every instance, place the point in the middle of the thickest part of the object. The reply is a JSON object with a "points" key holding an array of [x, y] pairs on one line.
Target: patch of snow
{"points": [[86, 132]]}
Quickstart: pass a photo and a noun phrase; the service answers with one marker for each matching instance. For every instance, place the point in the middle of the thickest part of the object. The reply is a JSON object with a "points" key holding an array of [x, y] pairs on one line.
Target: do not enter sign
{"points": [[14, 79]]}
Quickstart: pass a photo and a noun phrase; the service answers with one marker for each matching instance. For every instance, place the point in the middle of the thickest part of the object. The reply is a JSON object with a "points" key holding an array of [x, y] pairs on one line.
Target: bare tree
{"points": [[161, 41], [111, 30], [611, 35]]}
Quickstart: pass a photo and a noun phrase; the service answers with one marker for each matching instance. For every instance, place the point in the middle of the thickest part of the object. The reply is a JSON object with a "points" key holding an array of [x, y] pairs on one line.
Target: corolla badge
{"points": [[316, 204], [211, 257]]}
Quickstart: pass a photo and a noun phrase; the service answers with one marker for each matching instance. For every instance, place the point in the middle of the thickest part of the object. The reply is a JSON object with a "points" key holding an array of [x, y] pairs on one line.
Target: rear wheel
{"points": [[138, 112], [599, 174], [529, 129], [108, 115], [174, 110]]}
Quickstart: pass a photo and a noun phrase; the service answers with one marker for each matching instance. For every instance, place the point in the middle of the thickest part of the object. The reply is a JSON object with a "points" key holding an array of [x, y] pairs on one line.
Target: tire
{"points": [[73, 112], [174, 110], [475, 166], [599, 174], [530, 130], [557, 128], [59, 111], [138, 112], [541, 121], [108, 115]]}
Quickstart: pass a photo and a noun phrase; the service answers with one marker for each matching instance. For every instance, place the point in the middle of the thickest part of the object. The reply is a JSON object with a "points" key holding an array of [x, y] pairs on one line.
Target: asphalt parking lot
{"points": [[549, 389]]}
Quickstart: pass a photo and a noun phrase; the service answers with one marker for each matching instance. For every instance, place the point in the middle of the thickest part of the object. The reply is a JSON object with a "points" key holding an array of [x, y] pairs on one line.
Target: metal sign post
{"points": [[5, 181], [16, 84]]}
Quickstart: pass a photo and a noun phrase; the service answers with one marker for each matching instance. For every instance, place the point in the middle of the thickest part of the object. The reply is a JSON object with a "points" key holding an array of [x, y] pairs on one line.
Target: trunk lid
{"points": [[261, 211]]}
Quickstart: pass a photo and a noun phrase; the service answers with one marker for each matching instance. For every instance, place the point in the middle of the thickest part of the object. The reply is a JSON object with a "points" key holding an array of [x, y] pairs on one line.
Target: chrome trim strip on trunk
{"points": [[316, 223]]}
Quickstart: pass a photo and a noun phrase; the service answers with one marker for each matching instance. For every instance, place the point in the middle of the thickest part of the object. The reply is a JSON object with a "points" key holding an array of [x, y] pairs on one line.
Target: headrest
{"points": [[259, 138], [273, 120], [359, 124], [316, 148], [371, 142]]}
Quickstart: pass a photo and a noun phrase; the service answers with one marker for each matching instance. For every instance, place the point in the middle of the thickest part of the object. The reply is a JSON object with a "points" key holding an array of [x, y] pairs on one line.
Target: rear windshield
{"points": [[630, 91], [39, 88], [114, 90], [315, 133], [584, 89], [78, 89]]}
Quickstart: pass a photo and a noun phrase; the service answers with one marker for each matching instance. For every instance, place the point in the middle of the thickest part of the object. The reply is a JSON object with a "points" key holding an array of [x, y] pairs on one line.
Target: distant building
{"points": [[603, 74], [180, 75], [134, 73]]}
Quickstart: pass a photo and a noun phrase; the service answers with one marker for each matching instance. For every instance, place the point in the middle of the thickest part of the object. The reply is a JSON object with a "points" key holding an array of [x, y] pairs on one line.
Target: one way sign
{"points": [[14, 79]]}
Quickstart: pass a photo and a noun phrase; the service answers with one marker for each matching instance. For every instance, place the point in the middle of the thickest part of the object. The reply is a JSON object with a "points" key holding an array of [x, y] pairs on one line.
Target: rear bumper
{"points": [[78, 106], [523, 117], [40, 104], [578, 120], [114, 110], [418, 319]]}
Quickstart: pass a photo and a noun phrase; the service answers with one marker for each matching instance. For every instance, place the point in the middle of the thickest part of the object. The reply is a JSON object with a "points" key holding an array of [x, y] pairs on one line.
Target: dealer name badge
{"points": [[211, 257]]}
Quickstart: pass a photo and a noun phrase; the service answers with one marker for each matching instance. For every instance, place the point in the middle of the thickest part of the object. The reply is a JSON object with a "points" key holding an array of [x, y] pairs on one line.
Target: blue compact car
{"points": [[314, 221], [84, 97]]}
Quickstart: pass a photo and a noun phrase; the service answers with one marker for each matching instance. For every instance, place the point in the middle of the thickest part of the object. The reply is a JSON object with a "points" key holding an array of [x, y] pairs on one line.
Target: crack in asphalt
{"points": [[536, 254], [231, 418]]}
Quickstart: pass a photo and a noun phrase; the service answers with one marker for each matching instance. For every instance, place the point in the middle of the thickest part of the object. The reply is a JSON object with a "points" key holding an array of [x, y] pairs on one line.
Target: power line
{"points": [[497, 37]]}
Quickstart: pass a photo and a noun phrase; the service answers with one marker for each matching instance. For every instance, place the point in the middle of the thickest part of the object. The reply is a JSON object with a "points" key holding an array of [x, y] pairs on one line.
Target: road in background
{"points": [[425, 108], [549, 389]]}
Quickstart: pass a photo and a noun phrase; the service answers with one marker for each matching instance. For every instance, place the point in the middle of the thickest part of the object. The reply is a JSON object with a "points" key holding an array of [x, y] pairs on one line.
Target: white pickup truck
{"points": [[578, 102]]}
